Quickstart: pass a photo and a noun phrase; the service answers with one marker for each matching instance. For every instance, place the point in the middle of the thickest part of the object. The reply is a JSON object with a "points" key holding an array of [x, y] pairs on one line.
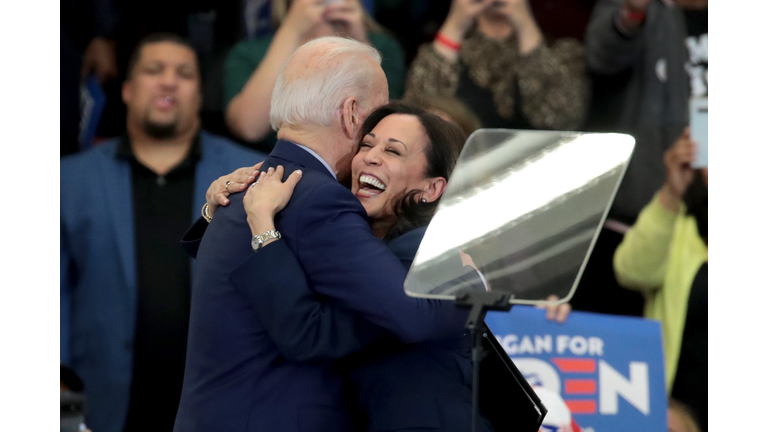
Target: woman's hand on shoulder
{"points": [[269, 194], [219, 191]]}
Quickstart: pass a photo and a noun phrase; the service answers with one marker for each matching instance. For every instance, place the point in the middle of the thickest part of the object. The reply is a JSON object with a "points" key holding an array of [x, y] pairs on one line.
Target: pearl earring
{"points": [[423, 200]]}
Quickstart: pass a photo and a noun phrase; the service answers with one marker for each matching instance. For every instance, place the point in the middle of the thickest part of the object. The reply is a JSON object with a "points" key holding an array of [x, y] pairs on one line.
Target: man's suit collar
{"points": [[291, 152]]}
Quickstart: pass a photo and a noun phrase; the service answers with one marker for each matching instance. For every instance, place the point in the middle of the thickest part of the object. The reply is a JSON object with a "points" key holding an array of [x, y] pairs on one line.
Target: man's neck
{"points": [[320, 140], [160, 155]]}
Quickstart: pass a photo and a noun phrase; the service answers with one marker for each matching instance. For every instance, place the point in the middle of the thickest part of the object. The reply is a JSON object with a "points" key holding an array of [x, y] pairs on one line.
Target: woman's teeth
{"points": [[367, 180]]}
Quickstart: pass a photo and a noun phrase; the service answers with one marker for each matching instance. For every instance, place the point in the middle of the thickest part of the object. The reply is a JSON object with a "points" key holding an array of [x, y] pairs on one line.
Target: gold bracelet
{"points": [[204, 212]]}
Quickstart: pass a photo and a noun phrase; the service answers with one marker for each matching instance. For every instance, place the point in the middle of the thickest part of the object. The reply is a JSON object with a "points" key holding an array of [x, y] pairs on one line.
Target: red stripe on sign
{"points": [[575, 365], [582, 406], [580, 386]]}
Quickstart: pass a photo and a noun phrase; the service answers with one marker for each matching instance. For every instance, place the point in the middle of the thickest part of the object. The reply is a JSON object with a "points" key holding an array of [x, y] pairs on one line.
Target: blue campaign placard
{"points": [[609, 370]]}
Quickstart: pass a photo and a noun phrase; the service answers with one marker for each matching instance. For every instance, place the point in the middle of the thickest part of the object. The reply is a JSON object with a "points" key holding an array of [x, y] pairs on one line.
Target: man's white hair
{"points": [[314, 98]]}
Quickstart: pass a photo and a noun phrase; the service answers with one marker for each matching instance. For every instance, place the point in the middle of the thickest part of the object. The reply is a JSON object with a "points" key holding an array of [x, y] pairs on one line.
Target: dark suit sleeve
{"points": [[347, 263], [303, 326], [194, 235]]}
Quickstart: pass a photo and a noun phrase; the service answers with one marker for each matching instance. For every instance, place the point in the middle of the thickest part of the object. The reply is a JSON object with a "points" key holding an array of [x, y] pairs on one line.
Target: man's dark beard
{"points": [[160, 130]]}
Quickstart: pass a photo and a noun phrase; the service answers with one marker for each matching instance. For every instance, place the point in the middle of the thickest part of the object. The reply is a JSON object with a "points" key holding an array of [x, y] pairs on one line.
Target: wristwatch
{"points": [[258, 240]]}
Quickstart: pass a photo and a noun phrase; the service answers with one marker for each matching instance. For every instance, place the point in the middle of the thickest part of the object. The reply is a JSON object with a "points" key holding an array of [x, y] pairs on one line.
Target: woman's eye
{"points": [[393, 151], [365, 145]]}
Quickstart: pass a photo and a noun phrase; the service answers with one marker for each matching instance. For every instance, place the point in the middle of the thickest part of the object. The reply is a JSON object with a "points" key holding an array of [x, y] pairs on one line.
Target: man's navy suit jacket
{"points": [[394, 386], [237, 377], [98, 267]]}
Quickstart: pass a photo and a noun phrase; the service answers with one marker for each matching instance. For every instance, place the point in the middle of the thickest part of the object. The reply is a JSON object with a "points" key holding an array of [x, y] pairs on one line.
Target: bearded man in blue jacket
{"points": [[125, 204]]}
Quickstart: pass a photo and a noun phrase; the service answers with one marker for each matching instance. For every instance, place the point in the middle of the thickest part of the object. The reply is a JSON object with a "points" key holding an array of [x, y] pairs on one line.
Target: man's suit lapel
{"points": [[117, 192]]}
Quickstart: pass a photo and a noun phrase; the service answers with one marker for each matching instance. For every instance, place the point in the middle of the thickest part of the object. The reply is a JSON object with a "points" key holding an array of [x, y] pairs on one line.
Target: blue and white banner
{"points": [[609, 370]]}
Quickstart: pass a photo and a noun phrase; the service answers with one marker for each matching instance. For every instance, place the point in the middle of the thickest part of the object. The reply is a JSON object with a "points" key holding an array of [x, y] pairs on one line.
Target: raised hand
{"points": [[517, 11], [677, 163], [462, 15], [347, 19], [303, 16]]}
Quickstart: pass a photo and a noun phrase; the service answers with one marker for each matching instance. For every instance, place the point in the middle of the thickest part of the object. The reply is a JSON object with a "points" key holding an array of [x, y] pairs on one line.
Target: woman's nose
{"points": [[373, 156]]}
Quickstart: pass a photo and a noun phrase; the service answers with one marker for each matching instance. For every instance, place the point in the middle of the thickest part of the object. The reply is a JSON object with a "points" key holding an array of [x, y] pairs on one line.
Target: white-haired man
{"points": [[239, 378]]}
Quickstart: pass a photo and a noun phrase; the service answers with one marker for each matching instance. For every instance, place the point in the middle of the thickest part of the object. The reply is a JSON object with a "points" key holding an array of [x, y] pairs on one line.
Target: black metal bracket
{"points": [[479, 303]]}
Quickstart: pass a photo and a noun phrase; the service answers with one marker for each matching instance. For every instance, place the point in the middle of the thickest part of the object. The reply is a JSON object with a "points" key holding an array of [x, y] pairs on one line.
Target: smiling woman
{"points": [[404, 160]]}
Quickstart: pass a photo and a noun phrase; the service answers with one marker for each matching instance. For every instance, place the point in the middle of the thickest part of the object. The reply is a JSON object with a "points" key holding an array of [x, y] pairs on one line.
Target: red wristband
{"points": [[447, 42]]}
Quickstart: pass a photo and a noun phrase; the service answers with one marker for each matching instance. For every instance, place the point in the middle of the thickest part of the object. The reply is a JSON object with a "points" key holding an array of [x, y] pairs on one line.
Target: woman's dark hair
{"points": [[444, 143]]}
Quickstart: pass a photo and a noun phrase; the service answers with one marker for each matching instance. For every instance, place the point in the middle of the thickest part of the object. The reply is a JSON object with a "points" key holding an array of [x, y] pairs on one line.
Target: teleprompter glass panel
{"points": [[520, 214]]}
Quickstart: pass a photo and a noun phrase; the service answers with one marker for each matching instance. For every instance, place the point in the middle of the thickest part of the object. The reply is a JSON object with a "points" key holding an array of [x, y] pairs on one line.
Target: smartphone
{"points": [[699, 130]]}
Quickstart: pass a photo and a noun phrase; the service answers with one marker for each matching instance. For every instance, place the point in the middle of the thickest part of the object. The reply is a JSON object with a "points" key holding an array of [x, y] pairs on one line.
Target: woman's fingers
{"points": [[278, 173], [293, 180], [563, 311]]}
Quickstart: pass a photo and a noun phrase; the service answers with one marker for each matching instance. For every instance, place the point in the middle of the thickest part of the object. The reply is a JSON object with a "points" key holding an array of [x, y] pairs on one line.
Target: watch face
{"points": [[255, 244]]}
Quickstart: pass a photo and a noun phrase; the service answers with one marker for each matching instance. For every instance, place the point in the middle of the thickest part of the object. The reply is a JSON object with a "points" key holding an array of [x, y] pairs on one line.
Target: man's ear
{"points": [[350, 117], [434, 190]]}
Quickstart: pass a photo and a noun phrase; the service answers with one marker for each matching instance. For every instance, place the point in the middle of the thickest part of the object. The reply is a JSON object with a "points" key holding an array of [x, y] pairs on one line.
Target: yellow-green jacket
{"points": [[660, 256]]}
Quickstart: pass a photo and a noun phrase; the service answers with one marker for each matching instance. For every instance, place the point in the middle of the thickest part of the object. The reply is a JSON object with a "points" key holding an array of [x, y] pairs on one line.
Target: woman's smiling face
{"points": [[391, 161]]}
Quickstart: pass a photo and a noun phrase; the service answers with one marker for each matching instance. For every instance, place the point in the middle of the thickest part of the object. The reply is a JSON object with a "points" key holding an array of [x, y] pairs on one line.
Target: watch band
{"points": [[258, 240]]}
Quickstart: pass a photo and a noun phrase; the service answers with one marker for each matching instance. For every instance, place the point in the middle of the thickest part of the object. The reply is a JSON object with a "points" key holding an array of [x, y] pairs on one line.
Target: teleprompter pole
{"points": [[479, 302]]}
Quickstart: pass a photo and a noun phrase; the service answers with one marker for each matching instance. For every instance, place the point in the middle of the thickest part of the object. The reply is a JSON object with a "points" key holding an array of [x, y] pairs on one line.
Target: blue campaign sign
{"points": [[609, 370]]}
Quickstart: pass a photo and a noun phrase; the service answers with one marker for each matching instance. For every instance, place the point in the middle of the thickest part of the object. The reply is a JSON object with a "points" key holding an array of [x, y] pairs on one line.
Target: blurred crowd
{"points": [[629, 66]]}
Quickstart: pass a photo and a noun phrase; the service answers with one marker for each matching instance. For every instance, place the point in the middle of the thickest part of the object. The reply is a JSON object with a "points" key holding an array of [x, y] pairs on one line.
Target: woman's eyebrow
{"points": [[398, 141]]}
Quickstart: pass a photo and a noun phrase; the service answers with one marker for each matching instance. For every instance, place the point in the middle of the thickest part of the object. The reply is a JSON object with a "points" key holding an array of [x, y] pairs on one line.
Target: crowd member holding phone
{"points": [[664, 255], [647, 60], [252, 66], [491, 55]]}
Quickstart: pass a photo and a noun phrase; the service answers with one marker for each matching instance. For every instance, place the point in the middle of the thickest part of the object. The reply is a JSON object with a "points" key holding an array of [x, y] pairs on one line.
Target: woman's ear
{"points": [[434, 190], [350, 117]]}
